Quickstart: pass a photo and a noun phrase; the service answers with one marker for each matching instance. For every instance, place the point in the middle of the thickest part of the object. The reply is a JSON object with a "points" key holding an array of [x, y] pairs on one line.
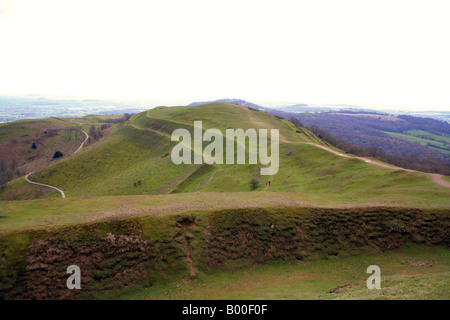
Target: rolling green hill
{"points": [[135, 160]]}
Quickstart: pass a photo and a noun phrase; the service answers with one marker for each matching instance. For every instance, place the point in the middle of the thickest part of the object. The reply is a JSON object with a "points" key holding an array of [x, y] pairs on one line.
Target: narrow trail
{"points": [[81, 146], [204, 184], [435, 177], [44, 185], [52, 187]]}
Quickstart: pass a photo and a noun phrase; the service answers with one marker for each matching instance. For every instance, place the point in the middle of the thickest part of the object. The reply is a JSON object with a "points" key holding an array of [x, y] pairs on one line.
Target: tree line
{"points": [[125, 117]]}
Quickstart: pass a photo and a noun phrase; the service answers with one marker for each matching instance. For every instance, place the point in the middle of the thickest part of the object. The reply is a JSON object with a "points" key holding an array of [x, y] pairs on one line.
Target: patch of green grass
{"points": [[439, 146], [19, 189], [419, 133], [312, 280], [48, 213]]}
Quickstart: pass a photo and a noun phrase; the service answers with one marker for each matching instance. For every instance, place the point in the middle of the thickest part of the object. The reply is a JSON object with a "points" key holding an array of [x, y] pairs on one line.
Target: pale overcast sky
{"points": [[391, 53]]}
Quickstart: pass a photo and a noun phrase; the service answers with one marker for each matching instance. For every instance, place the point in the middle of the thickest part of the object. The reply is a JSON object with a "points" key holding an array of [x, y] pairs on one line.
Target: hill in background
{"points": [[136, 160], [238, 102]]}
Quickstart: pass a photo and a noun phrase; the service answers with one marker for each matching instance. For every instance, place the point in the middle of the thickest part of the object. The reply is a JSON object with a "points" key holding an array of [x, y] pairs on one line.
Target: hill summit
{"points": [[238, 102]]}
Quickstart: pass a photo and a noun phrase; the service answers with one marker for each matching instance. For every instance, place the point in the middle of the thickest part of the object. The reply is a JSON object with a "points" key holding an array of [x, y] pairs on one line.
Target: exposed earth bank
{"points": [[144, 250]]}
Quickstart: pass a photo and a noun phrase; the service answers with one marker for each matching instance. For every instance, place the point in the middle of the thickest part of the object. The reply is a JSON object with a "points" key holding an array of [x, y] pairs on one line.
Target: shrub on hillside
{"points": [[254, 184], [58, 154]]}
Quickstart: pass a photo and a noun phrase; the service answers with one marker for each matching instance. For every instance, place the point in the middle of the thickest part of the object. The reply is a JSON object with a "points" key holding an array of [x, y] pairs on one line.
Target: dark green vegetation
{"points": [[142, 252], [58, 154]]}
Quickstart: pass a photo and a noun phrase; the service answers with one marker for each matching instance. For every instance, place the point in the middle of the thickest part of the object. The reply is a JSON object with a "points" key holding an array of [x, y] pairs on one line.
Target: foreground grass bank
{"points": [[149, 250], [410, 272]]}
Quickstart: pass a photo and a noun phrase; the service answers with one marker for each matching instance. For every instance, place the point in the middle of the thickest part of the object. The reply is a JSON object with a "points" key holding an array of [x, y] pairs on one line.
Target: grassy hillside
{"points": [[48, 135], [135, 160], [332, 278], [18, 153], [426, 134], [439, 143]]}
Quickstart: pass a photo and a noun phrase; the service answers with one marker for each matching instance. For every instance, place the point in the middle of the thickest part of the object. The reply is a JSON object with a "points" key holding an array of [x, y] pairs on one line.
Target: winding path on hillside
{"points": [[435, 177], [52, 187], [81, 146], [44, 185]]}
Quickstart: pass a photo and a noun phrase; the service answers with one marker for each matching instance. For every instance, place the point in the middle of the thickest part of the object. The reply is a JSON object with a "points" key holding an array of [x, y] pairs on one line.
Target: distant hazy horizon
{"points": [[265, 103], [377, 54], [122, 104]]}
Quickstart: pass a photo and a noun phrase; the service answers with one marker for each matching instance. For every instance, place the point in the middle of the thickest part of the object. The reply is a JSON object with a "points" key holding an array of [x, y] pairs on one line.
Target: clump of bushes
{"points": [[254, 183], [58, 154], [137, 183]]}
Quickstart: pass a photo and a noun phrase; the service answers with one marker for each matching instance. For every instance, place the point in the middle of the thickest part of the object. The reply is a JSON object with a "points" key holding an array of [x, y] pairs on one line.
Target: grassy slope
{"points": [[15, 141], [48, 134], [418, 133], [19, 189], [137, 151], [312, 280], [26, 214], [410, 137]]}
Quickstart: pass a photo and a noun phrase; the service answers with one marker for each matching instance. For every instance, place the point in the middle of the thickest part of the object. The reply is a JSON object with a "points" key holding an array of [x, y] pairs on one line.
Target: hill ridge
{"points": [[136, 161]]}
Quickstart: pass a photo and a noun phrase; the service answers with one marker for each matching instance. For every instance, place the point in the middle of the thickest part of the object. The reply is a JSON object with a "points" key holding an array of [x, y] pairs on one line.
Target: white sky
{"points": [[385, 53]]}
